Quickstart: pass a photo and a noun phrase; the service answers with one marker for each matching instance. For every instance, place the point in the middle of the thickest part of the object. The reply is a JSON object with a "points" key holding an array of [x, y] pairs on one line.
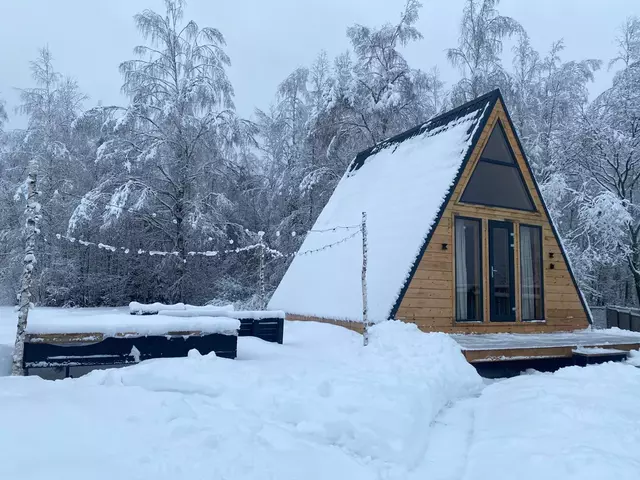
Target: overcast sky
{"points": [[267, 39]]}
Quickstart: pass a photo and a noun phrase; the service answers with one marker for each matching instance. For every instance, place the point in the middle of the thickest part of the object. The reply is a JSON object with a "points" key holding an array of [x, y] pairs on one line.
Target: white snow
{"points": [[320, 406], [578, 423], [110, 322], [579, 338], [214, 311], [136, 308], [596, 350], [401, 188]]}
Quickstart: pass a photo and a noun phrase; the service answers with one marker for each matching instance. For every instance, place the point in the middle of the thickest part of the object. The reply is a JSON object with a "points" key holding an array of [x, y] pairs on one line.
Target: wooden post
{"points": [[365, 317], [261, 273], [32, 211]]}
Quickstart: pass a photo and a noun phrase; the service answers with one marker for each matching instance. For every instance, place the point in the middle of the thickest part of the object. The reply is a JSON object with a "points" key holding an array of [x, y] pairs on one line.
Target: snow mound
{"points": [[578, 423], [320, 406], [213, 311], [114, 324], [136, 308], [634, 358]]}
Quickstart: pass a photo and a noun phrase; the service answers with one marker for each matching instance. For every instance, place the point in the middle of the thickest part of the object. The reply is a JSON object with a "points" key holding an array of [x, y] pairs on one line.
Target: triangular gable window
{"points": [[497, 180]]}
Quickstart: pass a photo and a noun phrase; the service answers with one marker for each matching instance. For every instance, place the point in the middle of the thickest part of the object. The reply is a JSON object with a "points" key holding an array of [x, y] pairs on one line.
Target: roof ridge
{"points": [[361, 156]]}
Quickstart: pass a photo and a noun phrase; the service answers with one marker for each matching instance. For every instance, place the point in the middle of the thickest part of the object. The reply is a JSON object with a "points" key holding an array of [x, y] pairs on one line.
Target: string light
{"points": [[211, 253]]}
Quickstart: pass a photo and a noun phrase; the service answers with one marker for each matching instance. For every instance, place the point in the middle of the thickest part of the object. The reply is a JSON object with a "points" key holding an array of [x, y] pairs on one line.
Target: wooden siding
{"points": [[430, 297], [355, 326]]}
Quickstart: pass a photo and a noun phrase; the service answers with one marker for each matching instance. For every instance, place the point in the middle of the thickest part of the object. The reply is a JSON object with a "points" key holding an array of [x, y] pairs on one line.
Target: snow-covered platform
{"points": [[499, 347]]}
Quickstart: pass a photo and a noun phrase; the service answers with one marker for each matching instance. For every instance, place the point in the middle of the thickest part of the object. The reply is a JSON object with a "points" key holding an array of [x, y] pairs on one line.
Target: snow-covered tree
{"points": [[382, 95], [482, 32], [3, 114], [609, 153], [175, 142], [32, 214]]}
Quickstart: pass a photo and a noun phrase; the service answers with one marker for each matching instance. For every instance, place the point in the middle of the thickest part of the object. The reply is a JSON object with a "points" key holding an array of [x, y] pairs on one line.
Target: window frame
{"points": [[542, 302], [510, 226], [480, 223], [504, 164]]}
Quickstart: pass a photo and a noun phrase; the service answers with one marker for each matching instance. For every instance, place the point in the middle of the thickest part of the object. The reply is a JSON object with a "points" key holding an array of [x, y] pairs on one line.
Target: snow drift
{"points": [[320, 406]]}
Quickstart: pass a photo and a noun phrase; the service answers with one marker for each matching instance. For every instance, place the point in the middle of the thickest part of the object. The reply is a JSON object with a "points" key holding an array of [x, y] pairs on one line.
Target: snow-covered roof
{"points": [[402, 184]]}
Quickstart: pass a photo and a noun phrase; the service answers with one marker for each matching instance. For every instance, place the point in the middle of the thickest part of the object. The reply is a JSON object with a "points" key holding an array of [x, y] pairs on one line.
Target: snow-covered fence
{"points": [[623, 318]]}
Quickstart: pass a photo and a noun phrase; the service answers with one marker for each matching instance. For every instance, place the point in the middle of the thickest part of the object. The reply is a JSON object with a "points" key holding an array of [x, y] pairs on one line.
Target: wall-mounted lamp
{"points": [[552, 266], [444, 246], [550, 254]]}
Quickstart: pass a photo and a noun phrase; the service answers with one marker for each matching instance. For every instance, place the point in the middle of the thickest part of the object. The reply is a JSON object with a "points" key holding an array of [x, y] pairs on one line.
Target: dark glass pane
{"points": [[468, 269], [501, 273], [497, 147], [498, 186], [531, 272]]}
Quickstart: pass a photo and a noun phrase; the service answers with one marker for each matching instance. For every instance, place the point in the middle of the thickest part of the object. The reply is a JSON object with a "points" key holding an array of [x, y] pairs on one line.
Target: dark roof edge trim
{"points": [[361, 156], [492, 98]]}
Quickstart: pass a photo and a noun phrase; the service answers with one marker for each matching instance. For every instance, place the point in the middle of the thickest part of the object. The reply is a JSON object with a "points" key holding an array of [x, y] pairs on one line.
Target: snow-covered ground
{"points": [[321, 406]]}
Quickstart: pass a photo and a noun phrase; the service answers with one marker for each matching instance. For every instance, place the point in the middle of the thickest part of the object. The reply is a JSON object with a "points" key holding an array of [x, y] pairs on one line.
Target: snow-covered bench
{"points": [[265, 324], [109, 341]]}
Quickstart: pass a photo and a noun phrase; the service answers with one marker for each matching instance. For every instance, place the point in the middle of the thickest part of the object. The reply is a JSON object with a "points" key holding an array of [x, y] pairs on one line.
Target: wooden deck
{"points": [[502, 347]]}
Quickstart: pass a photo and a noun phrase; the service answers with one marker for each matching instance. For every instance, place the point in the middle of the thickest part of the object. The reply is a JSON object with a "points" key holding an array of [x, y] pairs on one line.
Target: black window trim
{"points": [[455, 260], [505, 164], [540, 228], [509, 225]]}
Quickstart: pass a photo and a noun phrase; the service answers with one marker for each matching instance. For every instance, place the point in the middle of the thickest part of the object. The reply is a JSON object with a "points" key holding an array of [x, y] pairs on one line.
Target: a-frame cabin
{"points": [[460, 239]]}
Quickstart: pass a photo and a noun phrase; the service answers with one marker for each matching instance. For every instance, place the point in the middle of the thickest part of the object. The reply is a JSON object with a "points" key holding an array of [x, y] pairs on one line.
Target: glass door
{"points": [[501, 284]]}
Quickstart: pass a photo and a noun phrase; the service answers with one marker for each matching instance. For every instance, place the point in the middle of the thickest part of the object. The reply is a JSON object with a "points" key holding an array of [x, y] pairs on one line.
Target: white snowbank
{"points": [[212, 311], [113, 324], [578, 423], [320, 406], [634, 358], [401, 188], [136, 308], [141, 308]]}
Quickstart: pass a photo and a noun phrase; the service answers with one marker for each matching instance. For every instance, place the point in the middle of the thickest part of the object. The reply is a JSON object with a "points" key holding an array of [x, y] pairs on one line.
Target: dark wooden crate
{"points": [[118, 350], [268, 329], [584, 359]]}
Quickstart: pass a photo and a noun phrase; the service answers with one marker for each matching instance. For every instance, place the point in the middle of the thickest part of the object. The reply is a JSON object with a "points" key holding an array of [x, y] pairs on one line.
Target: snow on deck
{"points": [[578, 338]]}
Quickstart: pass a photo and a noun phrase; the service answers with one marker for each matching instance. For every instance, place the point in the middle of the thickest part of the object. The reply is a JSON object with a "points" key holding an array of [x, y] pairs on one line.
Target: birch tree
{"points": [[32, 214], [175, 142], [477, 56]]}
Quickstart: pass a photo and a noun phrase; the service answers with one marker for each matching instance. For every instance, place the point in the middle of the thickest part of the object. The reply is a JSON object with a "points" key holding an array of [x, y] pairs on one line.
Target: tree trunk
{"points": [[634, 261], [32, 212], [180, 246]]}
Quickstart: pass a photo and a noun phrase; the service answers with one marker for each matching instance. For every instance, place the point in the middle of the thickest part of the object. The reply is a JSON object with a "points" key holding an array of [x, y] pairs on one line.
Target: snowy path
{"points": [[449, 443], [577, 423]]}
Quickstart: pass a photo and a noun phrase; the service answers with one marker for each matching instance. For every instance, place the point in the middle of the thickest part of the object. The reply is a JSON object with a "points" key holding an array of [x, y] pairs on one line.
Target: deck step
{"points": [[584, 356]]}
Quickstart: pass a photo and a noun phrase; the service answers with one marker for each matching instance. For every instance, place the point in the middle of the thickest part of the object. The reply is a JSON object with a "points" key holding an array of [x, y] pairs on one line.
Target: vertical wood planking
{"points": [[564, 314]]}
